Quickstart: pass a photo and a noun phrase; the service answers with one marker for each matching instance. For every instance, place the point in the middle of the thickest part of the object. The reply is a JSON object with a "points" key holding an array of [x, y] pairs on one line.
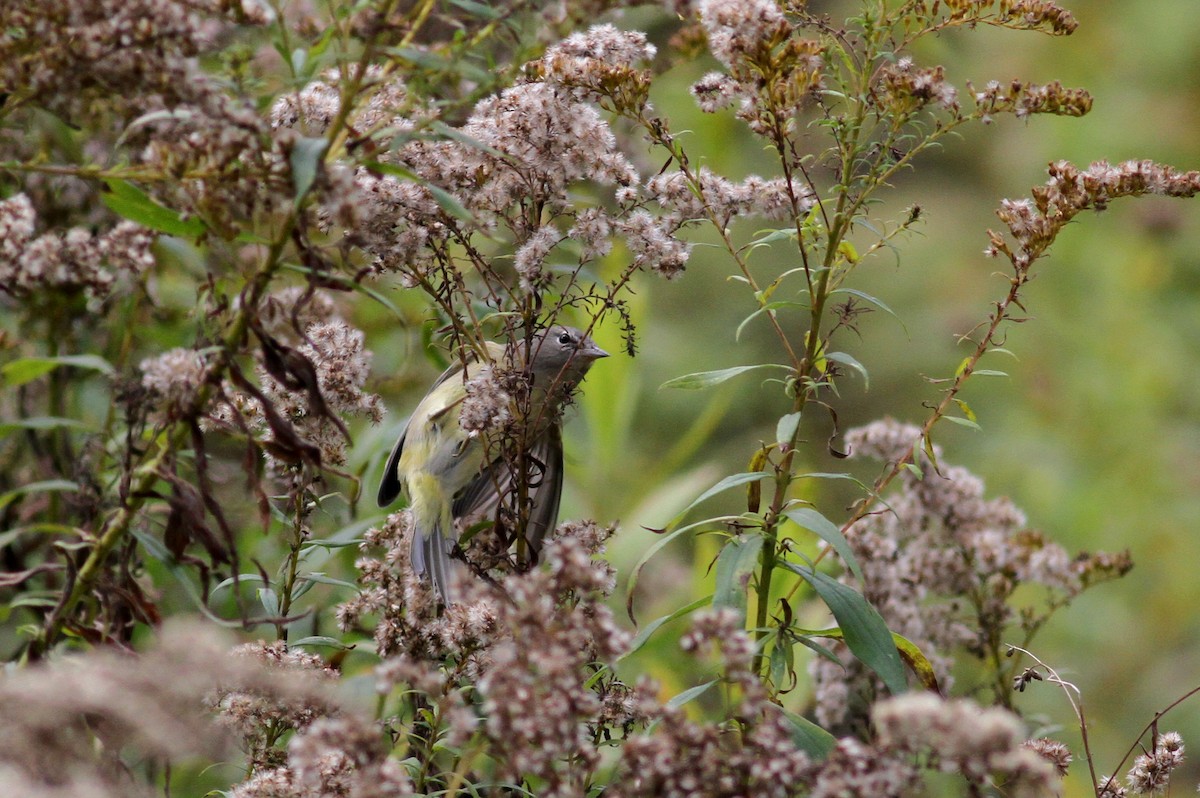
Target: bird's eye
{"points": [[564, 338]]}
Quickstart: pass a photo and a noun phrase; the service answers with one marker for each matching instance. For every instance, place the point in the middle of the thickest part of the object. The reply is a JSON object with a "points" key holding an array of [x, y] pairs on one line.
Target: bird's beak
{"points": [[593, 352]]}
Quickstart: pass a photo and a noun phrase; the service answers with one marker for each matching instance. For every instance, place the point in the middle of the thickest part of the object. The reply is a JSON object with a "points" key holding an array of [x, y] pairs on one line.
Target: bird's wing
{"points": [[481, 497], [389, 486], [547, 492]]}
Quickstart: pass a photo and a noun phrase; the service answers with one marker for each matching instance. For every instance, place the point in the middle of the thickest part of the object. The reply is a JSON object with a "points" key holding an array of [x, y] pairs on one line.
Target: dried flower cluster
{"points": [[1151, 772], [458, 149], [173, 380], [78, 57], [683, 758], [68, 723], [601, 64], [1041, 15], [333, 366], [980, 744], [75, 261], [941, 566], [907, 87], [342, 756], [1024, 99], [753, 40], [526, 644], [1035, 223], [260, 718], [536, 706]]}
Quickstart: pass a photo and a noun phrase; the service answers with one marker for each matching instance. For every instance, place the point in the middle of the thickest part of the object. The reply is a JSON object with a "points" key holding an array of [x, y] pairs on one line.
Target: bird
{"points": [[450, 474]]}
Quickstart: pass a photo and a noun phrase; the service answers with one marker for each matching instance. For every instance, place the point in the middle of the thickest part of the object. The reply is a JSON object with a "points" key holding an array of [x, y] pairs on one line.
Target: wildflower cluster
{"points": [[681, 757], [1034, 223], [78, 260], [67, 721], [210, 210], [942, 565]]}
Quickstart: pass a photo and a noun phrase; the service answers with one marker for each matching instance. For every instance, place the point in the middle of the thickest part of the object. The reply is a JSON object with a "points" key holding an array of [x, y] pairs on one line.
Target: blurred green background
{"points": [[1096, 433]]}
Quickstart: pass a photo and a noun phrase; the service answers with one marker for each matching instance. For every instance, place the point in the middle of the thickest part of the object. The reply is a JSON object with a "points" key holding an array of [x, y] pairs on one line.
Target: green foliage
{"points": [[188, 399]]}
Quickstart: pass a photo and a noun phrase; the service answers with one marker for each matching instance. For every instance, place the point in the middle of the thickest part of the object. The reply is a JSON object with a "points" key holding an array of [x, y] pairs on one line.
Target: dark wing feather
{"points": [[389, 486], [547, 495], [480, 498], [482, 495]]}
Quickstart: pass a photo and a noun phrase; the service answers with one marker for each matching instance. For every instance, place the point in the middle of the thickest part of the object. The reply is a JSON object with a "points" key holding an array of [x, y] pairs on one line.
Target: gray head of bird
{"points": [[564, 353]]}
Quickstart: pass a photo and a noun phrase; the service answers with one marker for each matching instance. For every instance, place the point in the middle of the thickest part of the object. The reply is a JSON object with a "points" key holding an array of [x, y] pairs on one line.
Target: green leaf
{"points": [[9, 535], [321, 640], [964, 422], [322, 579], [867, 298], [247, 578], [350, 284], [731, 481], [814, 522], [809, 737], [305, 159], [634, 575], [834, 475], [155, 549], [912, 655], [735, 565], [782, 662], [299, 61], [128, 200], [270, 601], [649, 629], [45, 486], [481, 10], [771, 236], [707, 379], [916, 660], [864, 630], [41, 422], [444, 130], [691, 694], [849, 360], [767, 308], [450, 204], [27, 369], [785, 428]]}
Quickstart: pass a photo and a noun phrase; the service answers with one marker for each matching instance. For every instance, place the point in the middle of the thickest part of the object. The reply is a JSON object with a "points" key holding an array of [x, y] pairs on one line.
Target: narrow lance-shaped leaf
{"points": [[305, 159], [731, 481], [785, 428], [135, 205], [650, 628], [735, 565], [828, 531], [42, 423], [809, 737], [27, 369], [45, 486], [864, 630], [690, 694], [634, 575], [707, 379], [849, 360], [910, 652]]}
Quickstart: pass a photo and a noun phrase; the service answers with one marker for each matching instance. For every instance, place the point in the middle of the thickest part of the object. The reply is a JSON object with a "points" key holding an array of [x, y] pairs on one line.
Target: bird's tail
{"points": [[431, 555]]}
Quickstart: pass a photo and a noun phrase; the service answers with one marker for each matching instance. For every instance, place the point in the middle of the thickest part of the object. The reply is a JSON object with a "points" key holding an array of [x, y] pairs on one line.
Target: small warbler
{"points": [[451, 474]]}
